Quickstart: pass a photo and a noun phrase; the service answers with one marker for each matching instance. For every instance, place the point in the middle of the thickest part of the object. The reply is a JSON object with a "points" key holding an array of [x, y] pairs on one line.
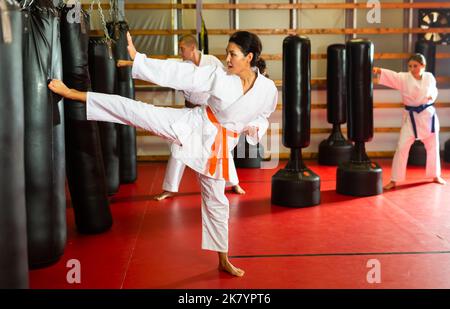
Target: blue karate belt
{"points": [[419, 109]]}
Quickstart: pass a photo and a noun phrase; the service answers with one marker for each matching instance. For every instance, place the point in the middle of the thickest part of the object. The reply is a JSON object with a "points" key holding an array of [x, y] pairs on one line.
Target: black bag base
{"points": [[447, 151], [296, 188], [32, 265], [359, 179], [128, 178], [90, 230], [333, 153], [417, 154], [248, 162], [94, 220]]}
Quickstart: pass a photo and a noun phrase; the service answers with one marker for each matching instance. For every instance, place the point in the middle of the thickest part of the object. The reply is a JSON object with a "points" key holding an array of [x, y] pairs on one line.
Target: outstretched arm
{"points": [[173, 74], [185, 76], [389, 78], [60, 88]]}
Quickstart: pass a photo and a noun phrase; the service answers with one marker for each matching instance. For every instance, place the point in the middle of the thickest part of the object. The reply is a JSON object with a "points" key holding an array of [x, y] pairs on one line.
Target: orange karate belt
{"points": [[221, 138]]}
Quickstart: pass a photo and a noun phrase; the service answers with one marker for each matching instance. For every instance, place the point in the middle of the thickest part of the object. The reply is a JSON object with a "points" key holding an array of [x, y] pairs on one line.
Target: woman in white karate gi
{"points": [[420, 121], [204, 136], [189, 52]]}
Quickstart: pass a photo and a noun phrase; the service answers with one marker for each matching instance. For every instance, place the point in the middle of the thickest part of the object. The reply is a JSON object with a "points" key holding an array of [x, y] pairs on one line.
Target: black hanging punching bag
{"points": [[102, 68], [44, 136], [125, 88], [359, 176], [417, 153], [13, 225], [336, 149], [85, 170], [428, 49], [296, 185], [58, 137]]}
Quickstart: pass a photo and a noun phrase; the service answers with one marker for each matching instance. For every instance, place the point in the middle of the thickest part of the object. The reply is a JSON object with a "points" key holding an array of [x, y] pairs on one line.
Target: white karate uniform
{"points": [[414, 93], [175, 168], [191, 130]]}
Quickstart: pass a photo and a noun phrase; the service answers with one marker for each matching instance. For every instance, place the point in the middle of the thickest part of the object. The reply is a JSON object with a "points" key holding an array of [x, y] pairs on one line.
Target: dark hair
{"points": [[249, 43], [261, 65], [418, 58]]}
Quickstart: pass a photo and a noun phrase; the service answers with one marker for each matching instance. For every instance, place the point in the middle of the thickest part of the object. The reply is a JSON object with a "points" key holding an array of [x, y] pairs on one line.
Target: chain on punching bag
{"points": [[13, 234], [85, 170], [102, 69], [125, 88], [44, 136]]}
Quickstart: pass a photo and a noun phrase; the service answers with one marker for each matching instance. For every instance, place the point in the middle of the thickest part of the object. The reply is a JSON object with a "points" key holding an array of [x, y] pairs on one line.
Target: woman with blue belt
{"points": [[420, 122]]}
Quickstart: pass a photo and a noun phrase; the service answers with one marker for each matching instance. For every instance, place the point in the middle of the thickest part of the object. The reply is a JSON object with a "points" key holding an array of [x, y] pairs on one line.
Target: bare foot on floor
{"points": [[439, 180], [389, 186], [231, 269], [163, 195], [238, 189]]}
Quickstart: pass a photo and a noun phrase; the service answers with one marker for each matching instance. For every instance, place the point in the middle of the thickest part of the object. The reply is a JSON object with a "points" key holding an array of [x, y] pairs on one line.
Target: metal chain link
{"points": [[108, 38], [91, 7], [111, 8]]}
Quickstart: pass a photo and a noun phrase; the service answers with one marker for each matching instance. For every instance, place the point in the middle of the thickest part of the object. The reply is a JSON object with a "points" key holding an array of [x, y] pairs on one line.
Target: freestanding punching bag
{"points": [[44, 135], [125, 88], [85, 170], [102, 68], [13, 225], [336, 149], [296, 185], [359, 176], [417, 153]]}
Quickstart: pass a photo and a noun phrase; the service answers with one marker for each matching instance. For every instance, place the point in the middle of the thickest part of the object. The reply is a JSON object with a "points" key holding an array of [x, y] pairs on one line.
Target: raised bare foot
{"points": [[238, 189], [389, 186], [439, 180], [163, 195], [231, 269]]}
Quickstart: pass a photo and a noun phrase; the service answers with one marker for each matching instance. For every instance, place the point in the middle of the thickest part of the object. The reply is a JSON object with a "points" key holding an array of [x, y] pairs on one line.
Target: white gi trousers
{"points": [[215, 205], [407, 138]]}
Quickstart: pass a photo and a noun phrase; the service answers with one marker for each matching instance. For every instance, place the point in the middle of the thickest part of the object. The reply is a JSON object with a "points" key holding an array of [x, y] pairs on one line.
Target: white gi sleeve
{"points": [[390, 79], [176, 75], [261, 121], [432, 89]]}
